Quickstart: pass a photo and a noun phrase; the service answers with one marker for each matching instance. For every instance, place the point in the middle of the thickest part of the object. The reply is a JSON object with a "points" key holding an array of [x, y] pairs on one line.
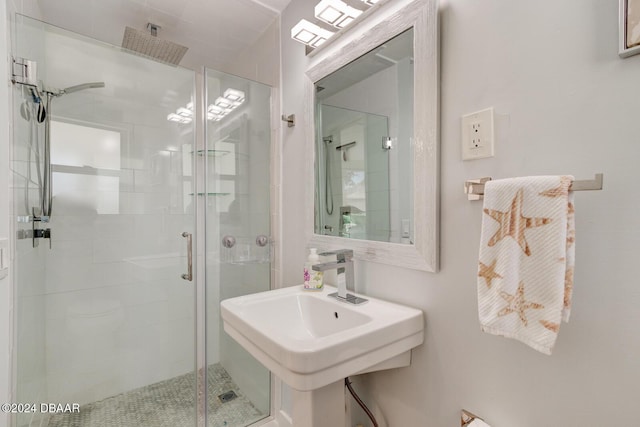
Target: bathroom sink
{"points": [[310, 340]]}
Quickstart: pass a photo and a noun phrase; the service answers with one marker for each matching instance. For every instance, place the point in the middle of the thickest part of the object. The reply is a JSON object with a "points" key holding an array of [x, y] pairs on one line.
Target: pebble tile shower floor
{"points": [[168, 403]]}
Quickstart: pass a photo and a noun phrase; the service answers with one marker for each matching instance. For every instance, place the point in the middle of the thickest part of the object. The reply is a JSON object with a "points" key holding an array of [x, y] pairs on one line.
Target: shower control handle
{"points": [[262, 240], [189, 275], [228, 241]]}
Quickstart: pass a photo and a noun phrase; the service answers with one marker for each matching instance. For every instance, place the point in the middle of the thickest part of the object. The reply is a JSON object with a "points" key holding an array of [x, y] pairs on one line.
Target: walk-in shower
{"points": [[103, 317]]}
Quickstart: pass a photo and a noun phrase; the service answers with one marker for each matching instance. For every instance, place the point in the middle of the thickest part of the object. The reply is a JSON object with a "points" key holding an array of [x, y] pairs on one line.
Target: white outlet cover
{"points": [[477, 135]]}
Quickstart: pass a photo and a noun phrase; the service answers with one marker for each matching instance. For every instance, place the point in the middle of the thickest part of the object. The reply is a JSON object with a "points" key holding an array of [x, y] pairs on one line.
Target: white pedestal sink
{"points": [[312, 342]]}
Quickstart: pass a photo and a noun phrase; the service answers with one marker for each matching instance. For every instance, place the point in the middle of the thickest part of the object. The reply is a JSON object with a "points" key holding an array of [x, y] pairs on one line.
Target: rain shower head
{"points": [[148, 44]]}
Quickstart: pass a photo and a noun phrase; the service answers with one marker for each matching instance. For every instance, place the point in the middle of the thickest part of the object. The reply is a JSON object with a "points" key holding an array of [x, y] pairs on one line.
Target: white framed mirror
{"points": [[340, 211]]}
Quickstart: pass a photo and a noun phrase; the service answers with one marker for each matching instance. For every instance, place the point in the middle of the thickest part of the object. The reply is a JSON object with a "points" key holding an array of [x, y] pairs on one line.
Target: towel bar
{"points": [[474, 188]]}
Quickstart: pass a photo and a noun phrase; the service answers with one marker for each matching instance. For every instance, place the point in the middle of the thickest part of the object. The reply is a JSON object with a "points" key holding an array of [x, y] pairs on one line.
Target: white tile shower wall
{"points": [[552, 72], [118, 314]]}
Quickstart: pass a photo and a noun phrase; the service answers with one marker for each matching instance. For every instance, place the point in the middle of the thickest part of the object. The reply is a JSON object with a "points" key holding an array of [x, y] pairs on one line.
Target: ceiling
{"points": [[215, 31]]}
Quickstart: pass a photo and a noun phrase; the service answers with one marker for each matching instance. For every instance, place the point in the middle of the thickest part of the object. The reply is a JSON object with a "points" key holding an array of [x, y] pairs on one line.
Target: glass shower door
{"points": [[104, 319], [353, 175], [238, 147]]}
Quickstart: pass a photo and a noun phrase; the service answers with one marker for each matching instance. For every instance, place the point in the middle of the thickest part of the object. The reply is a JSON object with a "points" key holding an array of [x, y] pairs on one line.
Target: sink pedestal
{"points": [[327, 406], [323, 407]]}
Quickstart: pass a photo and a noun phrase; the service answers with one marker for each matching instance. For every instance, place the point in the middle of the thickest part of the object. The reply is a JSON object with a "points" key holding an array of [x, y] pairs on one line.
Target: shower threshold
{"points": [[169, 403]]}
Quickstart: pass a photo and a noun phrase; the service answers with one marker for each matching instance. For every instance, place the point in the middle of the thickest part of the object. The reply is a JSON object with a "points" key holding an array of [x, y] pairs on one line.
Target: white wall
{"points": [[565, 103], [261, 61]]}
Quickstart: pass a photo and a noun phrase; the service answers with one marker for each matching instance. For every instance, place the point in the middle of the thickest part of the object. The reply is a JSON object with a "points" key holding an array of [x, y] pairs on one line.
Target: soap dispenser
{"points": [[312, 279]]}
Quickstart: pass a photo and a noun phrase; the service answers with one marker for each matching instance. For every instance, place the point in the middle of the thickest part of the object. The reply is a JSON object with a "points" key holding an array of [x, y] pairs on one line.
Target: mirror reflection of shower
{"points": [[36, 109], [328, 188]]}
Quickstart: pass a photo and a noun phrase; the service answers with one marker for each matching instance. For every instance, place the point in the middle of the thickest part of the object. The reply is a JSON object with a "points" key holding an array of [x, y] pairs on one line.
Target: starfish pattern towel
{"points": [[527, 256]]}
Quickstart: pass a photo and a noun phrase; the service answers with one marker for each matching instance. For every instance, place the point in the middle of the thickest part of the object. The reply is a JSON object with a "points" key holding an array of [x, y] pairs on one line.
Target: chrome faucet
{"points": [[344, 265]]}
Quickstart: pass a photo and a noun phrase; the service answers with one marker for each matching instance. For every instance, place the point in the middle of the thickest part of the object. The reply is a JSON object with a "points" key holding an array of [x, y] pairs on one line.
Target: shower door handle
{"points": [[189, 275]]}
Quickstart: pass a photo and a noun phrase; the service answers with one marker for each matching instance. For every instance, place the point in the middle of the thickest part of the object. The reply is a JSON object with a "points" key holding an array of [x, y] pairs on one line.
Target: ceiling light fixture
{"points": [[223, 105], [214, 109], [184, 112], [336, 12], [310, 34], [173, 117], [234, 95], [333, 12]]}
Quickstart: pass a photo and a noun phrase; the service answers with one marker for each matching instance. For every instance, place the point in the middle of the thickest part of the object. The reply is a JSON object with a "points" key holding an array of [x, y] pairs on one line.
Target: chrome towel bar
{"points": [[474, 188]]}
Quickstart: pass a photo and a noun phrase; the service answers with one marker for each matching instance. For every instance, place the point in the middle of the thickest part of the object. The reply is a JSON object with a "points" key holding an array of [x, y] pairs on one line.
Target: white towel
{"points": [[527, 255]]}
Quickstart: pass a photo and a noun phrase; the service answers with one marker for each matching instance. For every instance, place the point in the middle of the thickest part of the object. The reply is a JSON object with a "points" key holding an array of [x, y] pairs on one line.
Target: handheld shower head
{"points": [[82, 87]]}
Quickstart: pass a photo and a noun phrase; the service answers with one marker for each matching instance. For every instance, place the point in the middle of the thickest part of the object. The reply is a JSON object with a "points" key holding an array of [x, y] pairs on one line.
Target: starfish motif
{"points": [[488, 272], [513, 224], [568, 287], [571, 230], [517, 304], [553, 327], [562, 190]]}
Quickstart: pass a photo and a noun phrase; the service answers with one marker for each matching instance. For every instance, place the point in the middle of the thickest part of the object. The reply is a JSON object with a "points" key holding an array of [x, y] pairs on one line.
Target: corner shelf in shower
{"points": [[210, 194]]}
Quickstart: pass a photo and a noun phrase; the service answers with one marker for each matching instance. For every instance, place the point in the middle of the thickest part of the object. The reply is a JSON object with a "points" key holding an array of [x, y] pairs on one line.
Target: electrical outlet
{"points": [[477, 135]]}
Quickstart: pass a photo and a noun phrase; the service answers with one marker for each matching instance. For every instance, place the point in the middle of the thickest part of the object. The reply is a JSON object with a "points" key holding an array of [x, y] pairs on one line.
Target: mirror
{"points": [[372, 163], [364, 123]]}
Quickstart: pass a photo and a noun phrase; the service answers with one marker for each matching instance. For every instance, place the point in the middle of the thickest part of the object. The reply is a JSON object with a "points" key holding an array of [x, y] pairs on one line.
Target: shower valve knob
{"points": [[262, 240], [228, 241]]}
